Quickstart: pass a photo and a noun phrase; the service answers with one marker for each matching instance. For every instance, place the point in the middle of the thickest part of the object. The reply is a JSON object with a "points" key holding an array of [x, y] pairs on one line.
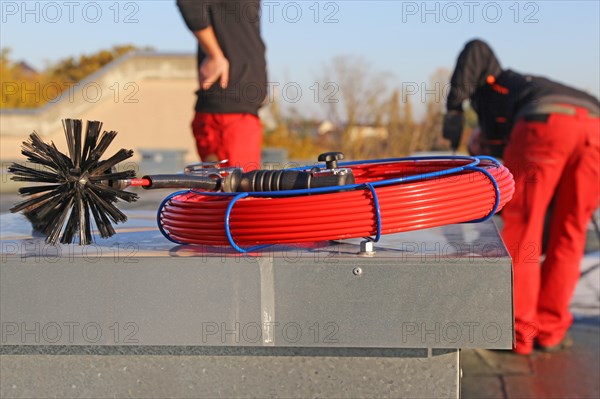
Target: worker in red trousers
{"points": [[548, 135], [232, 75]]}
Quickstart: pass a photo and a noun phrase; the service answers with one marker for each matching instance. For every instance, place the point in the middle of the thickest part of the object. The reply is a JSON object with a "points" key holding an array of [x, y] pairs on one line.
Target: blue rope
{"points": [[159, 212], [488, 158], [377, 212], [228, 227], [496, 190], [325, 190]]}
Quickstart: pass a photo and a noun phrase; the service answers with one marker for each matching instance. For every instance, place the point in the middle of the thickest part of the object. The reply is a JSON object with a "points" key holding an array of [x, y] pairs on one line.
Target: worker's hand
{"points": [[214, 69], [453, 127]]}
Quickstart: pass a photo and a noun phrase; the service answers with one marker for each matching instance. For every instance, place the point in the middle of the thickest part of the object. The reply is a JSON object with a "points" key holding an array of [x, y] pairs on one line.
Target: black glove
{"points": [[453, 127]]}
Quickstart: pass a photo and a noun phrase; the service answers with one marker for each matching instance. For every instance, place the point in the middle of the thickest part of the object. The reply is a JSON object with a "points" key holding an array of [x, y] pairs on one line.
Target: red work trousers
{"points": [[557, 158], [235, 137]]}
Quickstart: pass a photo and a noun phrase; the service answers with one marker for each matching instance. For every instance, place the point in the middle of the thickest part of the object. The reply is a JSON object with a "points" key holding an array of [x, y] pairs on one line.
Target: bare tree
{"points": [[431, 127], [361, 100], [401, 127]]}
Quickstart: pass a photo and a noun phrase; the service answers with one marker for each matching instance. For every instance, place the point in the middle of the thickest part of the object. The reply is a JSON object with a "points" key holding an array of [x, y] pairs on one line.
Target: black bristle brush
{"points": [[72, 186]]}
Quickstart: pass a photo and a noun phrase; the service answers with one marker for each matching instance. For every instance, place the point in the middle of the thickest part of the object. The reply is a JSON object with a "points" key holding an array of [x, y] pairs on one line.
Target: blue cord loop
{"points": [[488, 158], [228, 227], [377, 212], [494, 183], [159, 213], [472, 165]]}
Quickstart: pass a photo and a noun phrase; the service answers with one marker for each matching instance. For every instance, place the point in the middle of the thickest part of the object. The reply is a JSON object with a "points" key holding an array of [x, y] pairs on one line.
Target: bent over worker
{"points": [[232, 77], [549, 137]]}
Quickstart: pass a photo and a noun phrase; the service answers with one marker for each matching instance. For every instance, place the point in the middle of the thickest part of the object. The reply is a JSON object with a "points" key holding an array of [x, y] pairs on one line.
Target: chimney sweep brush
{"points": [[72, 186]]}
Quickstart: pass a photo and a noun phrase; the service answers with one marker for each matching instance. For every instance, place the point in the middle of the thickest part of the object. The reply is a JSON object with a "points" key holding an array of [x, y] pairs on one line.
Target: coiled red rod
{"points": [[195, 218]]}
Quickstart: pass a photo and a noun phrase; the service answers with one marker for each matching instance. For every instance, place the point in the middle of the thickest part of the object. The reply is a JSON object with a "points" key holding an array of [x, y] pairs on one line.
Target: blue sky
{"points": [[407, 39]]}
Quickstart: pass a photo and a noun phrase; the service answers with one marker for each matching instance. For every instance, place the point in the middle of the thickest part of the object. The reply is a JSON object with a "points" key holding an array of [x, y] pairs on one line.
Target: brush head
{"points": [[70, 187]]}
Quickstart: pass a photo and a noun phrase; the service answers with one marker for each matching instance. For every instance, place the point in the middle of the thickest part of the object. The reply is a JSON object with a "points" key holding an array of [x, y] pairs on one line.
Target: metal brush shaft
{"points": [[178, 181]]}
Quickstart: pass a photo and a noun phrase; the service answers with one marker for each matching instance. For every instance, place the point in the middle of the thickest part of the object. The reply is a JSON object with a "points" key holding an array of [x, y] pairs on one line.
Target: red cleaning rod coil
{"points": [[197, 218]]}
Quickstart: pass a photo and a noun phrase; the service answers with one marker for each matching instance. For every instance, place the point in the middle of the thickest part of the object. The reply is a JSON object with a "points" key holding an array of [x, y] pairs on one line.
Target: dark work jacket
{"points": [[506, 96], [236, 24]]}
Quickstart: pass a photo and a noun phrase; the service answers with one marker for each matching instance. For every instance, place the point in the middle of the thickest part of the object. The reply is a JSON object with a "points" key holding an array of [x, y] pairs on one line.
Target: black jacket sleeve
{"points": [[475, 63], [195, 13]]}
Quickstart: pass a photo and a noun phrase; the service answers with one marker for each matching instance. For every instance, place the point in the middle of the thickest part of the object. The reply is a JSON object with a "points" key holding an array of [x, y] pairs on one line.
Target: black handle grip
{"points": [[280, 180]]}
